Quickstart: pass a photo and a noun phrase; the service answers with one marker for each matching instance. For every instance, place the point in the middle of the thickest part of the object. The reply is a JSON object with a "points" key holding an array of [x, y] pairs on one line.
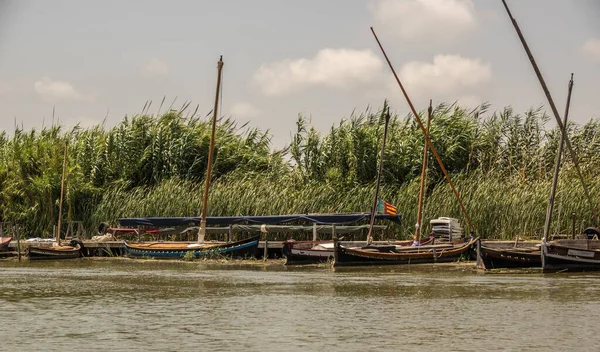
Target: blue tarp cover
{"points": [[322, 219]]}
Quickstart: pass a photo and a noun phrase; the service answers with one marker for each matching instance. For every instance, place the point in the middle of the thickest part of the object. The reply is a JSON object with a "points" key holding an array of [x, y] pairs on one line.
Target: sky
{"points": [[98, 61]]}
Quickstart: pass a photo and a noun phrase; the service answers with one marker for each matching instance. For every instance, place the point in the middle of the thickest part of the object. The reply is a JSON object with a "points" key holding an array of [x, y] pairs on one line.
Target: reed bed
{"points": [[152, 165]]}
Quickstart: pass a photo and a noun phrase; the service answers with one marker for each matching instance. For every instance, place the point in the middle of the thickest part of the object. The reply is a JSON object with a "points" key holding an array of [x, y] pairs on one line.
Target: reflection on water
{"points": [[123, 305]]}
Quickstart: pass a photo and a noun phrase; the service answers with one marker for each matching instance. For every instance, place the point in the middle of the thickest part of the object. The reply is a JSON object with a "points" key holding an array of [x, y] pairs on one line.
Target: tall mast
{"points": [[202, 232], [375, 199], [563, 136], [433, 150], [417, 238], [62, 189], [552, 106]]}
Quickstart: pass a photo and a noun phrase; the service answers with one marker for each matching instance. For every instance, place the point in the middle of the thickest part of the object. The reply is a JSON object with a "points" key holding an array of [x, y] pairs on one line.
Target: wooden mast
{"points": [[563, 135], [202, 231], [417, 237], [552, 107], [433, 150], [376, 198], [62, 189]]}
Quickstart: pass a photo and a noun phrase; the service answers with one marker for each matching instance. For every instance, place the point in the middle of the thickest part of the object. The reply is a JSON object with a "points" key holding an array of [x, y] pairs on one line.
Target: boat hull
{"points": [[495, 258], [241, 249], [429, 254], [51, 253], [4, 241], [571, 255], [299, 253]]}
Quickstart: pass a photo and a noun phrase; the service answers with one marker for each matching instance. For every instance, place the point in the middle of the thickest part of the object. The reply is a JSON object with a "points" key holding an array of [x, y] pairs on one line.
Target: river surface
{"points": [[128, 305]]}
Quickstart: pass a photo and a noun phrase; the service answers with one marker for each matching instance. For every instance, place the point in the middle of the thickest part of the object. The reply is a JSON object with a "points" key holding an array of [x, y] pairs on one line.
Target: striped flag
{"points": [[386, 208]]}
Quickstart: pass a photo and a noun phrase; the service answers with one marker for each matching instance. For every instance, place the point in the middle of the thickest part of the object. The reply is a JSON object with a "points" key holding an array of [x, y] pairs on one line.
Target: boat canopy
{"points": [[320, 219]]}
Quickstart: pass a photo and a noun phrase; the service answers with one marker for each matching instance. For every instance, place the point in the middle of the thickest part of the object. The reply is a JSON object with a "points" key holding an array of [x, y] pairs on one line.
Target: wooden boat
{"points": [[240, 249], [402, 255], [494, 258], [237, 249], [571, 255], [4, 241], [57, 251], [314, 252], [71, 251]]}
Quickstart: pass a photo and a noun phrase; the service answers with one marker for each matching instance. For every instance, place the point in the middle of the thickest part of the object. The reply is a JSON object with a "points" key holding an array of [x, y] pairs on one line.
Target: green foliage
{"points": [[148, 165]]}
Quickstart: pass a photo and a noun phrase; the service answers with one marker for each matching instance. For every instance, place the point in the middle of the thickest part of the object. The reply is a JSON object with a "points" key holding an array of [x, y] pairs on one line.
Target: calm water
{"points": [[124, 305]]}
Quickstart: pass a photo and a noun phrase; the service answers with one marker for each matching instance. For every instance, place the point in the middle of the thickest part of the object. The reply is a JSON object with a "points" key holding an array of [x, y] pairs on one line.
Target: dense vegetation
{"points": [[149, 165]]}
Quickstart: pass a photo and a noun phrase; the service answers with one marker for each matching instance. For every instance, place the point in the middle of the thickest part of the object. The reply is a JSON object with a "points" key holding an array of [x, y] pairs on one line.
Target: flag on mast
{"points": [[386, 208]]}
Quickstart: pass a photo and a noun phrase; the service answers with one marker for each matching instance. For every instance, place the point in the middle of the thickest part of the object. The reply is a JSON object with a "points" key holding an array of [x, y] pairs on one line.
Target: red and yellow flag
{"points": [[386, 208]]}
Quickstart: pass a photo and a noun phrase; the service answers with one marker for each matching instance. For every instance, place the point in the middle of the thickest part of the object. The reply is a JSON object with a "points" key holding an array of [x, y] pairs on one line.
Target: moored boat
{"points": [[404, 255], [58, 251], [71, 251], [495, 258], [314, 252], [240, 249], [571, 255]]}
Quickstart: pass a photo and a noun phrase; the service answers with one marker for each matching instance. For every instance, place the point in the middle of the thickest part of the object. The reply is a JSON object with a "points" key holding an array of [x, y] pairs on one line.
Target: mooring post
{"points": [[18, 236], [336, 248], [266, 250], [573, 226], [314, 231], [479, 266], [333, 233]]}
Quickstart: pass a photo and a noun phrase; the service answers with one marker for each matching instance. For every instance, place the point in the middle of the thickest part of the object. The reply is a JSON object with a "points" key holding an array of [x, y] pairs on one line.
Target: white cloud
{"points": [[244, 109], [415, 20], [54, 90], [592, 47], [155, 68], [447, 74], [336, 68]]}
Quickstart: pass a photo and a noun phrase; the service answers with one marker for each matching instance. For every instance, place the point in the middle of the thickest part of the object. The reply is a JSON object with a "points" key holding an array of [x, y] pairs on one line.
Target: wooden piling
{"points": [[266, 250], [18, 236], [479, 264], [573, 226], [336, 247]]}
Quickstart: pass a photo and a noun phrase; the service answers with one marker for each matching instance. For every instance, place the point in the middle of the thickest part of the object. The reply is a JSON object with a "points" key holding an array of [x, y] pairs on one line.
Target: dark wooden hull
{"points": [[495, 258], [571, 255], [241, 249], [427, 254], [50, 253], [300, 253]]}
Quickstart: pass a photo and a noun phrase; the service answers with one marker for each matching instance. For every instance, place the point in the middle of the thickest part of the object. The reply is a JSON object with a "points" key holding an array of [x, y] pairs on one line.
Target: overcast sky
{"points": [[97, 59]]}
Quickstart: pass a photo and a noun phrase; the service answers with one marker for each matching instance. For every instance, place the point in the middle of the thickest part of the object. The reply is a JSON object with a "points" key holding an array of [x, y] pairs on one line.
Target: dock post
{"points": [[336, 246], [573, 226], [266, 250], [314, 231], [333, 233], [479, 266], [18, 236]]}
